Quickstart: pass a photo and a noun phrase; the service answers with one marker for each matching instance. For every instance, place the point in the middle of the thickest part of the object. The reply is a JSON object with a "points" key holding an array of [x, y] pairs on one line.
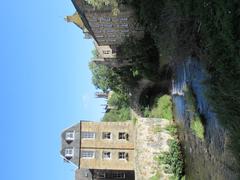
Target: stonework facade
{"points": [[106, 28]]}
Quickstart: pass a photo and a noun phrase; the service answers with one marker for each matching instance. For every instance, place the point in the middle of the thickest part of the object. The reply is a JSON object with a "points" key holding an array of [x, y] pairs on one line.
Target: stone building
{"points": [[105, 148], [108, 30]]}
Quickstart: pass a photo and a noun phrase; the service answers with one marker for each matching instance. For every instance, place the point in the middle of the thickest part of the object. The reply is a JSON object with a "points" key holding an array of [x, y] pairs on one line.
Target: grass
{"points": [[196, 123], [156, 177], [197, 127], [162, 108]]}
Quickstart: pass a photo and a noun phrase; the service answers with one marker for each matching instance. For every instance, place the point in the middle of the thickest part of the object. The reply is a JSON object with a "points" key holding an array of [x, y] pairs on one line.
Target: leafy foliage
{"points": [[173, 160], [105, 78], [143, 55], [143, 63], [118, 100], [172, 128], [101, 3], [114, 115], [121, 111]]}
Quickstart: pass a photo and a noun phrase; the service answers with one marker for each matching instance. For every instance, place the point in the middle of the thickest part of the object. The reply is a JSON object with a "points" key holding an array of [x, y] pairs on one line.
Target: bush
{"points": [[173, 160]]}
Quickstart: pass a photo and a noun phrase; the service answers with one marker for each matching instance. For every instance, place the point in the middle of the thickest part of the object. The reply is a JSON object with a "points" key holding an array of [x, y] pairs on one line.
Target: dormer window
{"points": [[69, 136], [69, 152]]}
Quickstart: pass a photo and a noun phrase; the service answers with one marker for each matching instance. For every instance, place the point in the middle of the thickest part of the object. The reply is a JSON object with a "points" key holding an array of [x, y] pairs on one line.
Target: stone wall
{"points": [[151, 140]]}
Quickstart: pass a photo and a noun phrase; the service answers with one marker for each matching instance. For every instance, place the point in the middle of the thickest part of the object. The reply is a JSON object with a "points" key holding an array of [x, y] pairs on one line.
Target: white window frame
{"points": [[69, 152], [122, 155], [70, 135], [105, 135], [88, 154], [88, 135], [105, 155]]}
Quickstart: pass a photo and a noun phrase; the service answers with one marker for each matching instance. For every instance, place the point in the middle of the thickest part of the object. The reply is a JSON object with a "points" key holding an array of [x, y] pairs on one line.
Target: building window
{"points": [[104, 19], [106, 155], [69, 135], [111, 35], [69, 152], [87, 154], [107, 25], [101, 40], [95, 25], [118, 175], [99, 36], [107, 135], [88, 135], [122, 156], [123, 135], [124, 25], [100, 175], [123, 19], [111, 40], [110, 30], [106, 51], [125, 30], [97, 31]]}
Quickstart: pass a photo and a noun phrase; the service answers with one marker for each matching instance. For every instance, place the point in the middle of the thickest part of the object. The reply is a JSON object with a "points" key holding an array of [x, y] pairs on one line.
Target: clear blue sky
{"points": [[45, 87]]}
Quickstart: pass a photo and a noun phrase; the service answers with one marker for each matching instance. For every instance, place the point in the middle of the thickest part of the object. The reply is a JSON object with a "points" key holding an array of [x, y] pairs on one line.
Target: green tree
{"points": [[94, 53], [143, 55], [105, 78], [114, 115], [118, 100], [101, 3]]}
